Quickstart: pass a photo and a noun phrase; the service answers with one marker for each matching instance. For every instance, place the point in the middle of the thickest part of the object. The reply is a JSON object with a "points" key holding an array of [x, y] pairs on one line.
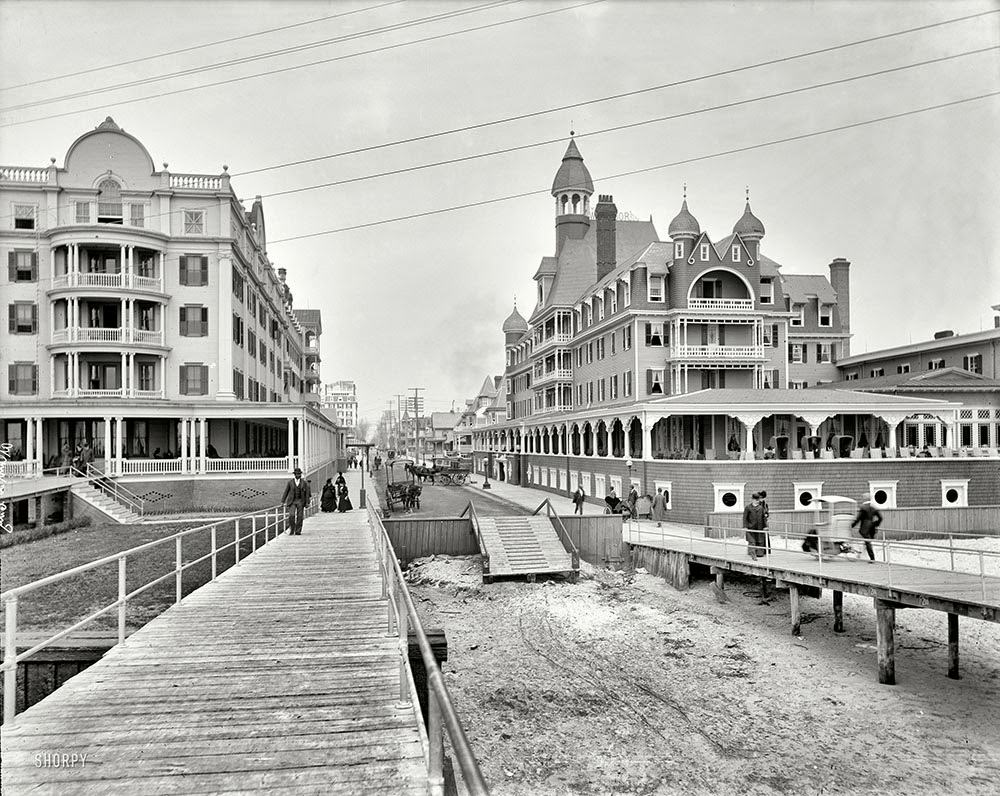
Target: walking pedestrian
{"points": [[632, 499], [659, 506], [578, 500], [328, 499], [296, 496], [767, 519], [754, 524], [344, 500], [868, 520]]}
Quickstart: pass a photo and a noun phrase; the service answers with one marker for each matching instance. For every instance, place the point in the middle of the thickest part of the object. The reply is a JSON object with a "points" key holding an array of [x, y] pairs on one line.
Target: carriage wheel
{"points": [[445, 479]]}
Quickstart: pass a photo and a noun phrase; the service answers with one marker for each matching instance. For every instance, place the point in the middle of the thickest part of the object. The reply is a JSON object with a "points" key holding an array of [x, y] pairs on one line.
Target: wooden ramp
{"points": [[523, 546], [277, 677]]}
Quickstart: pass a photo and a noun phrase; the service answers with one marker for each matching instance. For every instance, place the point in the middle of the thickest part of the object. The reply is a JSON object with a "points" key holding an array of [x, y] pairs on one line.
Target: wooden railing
{"points": [[561, 531], [474, 521], [441, 713], [270, 522]]}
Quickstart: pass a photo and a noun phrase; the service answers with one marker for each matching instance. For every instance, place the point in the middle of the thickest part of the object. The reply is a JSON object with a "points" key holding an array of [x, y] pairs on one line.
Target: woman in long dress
{"points": [[328, 500], [344, 502]]}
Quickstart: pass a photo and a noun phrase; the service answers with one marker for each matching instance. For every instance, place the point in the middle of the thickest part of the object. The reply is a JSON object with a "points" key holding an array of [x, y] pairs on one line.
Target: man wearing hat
{"points": [[297, 495], [868, 520]]}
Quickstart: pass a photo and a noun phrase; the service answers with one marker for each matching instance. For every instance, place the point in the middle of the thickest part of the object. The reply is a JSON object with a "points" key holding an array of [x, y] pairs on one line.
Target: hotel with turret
{"points": [[679, 361]]}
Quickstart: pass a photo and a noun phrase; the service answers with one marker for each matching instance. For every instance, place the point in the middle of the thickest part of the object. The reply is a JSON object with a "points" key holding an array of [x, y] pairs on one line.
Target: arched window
{"points": [[576, 203], [565, 203], [109, 202]]}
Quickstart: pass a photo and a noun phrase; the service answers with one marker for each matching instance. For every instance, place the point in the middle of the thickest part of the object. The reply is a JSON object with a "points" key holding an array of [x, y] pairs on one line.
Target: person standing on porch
{"points": [[659, 506], [296, 497], [754, 523]]}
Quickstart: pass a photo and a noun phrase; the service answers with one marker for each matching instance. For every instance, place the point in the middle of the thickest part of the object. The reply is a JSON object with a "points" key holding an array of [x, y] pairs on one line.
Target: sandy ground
{"points": [[619, 684]]}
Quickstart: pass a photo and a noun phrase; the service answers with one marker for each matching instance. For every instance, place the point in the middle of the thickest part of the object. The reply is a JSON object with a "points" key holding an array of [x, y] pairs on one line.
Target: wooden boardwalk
{"points": [[919, 587], [279, 677]]}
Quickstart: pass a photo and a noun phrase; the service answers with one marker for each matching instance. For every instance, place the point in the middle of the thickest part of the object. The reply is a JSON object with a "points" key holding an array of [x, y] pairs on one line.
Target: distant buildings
{"points": [[340, 399]]}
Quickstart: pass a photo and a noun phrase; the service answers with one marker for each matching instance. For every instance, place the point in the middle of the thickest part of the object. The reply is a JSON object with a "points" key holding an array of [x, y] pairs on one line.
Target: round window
{"points": [[729, 499], [880, 496], [951, 495], [805, 498]]}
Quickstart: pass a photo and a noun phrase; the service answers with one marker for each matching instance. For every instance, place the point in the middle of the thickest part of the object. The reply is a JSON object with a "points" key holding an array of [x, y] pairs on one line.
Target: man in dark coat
{"points": [[296, 496], [868, 520], [755, 523]]}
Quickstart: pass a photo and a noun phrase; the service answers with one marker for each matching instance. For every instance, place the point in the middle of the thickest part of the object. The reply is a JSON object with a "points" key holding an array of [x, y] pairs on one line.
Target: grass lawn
{"points": [[59, 605]]}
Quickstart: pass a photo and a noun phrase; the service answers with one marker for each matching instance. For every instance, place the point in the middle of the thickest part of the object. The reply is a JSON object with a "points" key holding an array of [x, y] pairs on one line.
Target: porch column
{"points": [[119, 440], [203, 442], [107, 445], [131, 373], [39, 444], [748, 421], [291, 442], [29, 442], [183, 443], [52, 374], [124, 374], [953, 434]]}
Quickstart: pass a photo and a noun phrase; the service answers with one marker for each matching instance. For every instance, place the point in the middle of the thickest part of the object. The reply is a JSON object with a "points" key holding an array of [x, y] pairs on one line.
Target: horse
{"points": [[411, 497], [422, 473]]}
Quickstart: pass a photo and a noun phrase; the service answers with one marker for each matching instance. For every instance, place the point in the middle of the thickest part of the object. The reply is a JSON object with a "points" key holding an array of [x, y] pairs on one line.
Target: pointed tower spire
{"points": [[572, 189]]}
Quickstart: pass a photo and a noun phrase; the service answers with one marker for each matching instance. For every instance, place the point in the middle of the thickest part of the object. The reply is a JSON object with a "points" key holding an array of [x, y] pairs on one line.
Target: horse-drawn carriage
{"points": [[401, 488], [452, 470]]}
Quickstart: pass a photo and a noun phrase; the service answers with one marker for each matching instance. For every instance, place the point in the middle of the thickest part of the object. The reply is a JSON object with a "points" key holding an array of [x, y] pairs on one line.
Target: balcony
{"points": [[102, 334], [106, 280], [721, 304], [716, 353], [557, 374], [560, 338]]}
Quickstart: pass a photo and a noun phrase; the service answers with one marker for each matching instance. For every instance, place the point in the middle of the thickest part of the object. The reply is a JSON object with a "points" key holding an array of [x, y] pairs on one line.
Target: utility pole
{"points": [[399, 422], [416, 419]]}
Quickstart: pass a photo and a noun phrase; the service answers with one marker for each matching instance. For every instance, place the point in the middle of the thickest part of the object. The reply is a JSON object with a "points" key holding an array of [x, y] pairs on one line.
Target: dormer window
{"points": [[109, 203], [613, 298], [541, 293], [600, 309], [704, 252], [826, 315], [766, 290], [656, 288], [679, 249], [798, 319], [736, 253], [627, 294]]}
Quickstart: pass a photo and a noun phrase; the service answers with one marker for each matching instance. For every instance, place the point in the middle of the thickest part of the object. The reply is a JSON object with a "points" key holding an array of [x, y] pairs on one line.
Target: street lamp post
{"points": [[489, 466]]}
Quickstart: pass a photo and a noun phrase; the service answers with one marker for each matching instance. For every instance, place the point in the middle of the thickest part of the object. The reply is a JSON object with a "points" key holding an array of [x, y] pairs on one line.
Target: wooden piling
{"points": [[838, 611], [793, 597], [885, 621], [953, 647]]}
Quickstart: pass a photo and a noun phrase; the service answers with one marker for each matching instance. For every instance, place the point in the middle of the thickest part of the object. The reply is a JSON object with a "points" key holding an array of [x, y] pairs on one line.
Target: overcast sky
{"points": [[913, 203]]}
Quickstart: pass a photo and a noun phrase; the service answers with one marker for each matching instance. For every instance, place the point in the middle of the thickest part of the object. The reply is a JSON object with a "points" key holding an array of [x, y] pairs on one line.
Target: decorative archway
{"points": [[635, 435], [617, 439], [602, 438], [575, 440], [588, 439]]}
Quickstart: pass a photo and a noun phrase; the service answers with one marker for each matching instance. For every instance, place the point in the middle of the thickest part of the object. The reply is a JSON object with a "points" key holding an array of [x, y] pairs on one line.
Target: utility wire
{"points": [[194, 70], [282, 70], [644, 170], [610, 97], [627, 126], [93, 69]]}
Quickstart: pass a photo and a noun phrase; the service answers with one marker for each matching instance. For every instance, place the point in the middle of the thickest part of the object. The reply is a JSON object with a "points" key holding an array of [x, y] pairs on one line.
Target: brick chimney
{"points": [[840, 279], [607, 256]]}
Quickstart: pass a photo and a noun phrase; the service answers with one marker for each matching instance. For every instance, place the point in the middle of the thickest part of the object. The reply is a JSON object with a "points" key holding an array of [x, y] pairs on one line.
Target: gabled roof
{"points": [[487, 388], [547, 266], [799, 288], [310, 318]]}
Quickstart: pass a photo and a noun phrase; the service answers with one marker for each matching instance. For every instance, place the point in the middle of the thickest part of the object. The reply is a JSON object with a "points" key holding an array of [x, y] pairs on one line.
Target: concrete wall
{"points": [[693, 495]]}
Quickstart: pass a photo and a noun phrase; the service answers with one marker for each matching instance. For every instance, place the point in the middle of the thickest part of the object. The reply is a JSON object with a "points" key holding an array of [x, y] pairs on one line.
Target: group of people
{"points": [[335, 496], [77, 459], [658, 503], [298, 495]]}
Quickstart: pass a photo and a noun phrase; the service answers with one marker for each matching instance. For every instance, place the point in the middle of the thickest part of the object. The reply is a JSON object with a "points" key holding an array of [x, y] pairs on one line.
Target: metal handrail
{"points": [[808, 513], [884, 544], [273, 518], [561, 530], [474, 521], [441, 712], [111, 488]]}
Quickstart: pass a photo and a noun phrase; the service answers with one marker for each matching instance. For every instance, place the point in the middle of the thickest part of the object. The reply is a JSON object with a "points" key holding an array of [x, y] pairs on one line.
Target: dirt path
{"points": [[623, 685]]}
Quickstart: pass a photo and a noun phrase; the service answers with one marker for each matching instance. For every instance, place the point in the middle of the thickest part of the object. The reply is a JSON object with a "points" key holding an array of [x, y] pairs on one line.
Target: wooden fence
{"points": [[897, 523], [413, 538], [597, 537]]}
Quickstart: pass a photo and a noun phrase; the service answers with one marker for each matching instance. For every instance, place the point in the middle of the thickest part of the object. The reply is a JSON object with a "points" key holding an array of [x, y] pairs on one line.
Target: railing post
{"points": [[951, 550], [122, 591], [253, 534], [9, 654], [236, 541], [888, 558], [215, 550], [402, 620], [178, 572], [982, 574], [435, 739]]}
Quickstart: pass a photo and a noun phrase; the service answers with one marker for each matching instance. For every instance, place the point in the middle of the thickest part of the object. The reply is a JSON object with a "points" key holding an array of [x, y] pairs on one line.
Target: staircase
{"points": [[105, 504], [523, 546]]}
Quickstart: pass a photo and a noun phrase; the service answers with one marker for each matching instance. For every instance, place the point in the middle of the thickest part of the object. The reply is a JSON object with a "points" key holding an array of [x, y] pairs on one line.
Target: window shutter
{"points": [[34, 319], [833, 353], [649, 382], [790, 352], [12, 317], [184, 386], [819, 352], [34, 379], [203, 268], [204, 321], [805, 353], [34, 266], [12, 379], [12, 266], [649, 332], [774, 335], [204, 379], [182, 318], [183, 272]]}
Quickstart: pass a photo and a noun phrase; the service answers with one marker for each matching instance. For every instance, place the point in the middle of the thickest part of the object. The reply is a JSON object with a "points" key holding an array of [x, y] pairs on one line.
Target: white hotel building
{"points": [[145, 319]]}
